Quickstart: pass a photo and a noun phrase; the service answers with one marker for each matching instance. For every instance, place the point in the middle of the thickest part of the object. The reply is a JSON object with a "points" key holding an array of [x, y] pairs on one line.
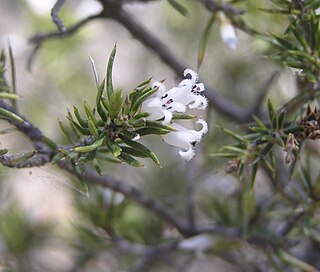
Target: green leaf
{"points": [[83, 123], [97, 167], [88, 156], [233, 135], [224, 155], [57, 158], [141, 148], [149, 131], [73, 127], [108, 158], [134, 152], [178, 7], [115, 104], [12, 96], [89, 113], [263, 131], [298, 33], [253, 175], [10, 115], [235, 149], [182, 116], [103, 114], [13, 75], [3, 151], [204, 40], [130, 160], [113, 147], [271, 110], [87, 148], [284, 43], [50, 143], [92, 128], [143, 84], [292, 130], [82, 130], [281, 119], [266, 149], [95, 73], [109, 84], [259, 122], [142, 97]]}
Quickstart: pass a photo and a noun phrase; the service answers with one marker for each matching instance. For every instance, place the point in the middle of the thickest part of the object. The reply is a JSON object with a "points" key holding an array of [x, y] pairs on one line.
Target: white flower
{"points": [[200, 242], [185, 138], [110, 197], [176, 99], [227, 32]]}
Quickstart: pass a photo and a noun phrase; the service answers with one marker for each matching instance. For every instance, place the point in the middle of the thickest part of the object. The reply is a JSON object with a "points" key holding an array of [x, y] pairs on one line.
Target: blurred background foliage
{"points": [[50, 222]]}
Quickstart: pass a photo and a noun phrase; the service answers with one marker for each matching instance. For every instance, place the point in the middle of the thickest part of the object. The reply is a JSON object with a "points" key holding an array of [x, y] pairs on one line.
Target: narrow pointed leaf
{"points": [[13, 75], [88, 148], [11, 96], [130, 160], [92, 128], [140, 147], [95, 73], [89, 112], [10, 115], [204, 40], [114, 148], [178, 7], [82, 122], [271, 109], [109, 84]]}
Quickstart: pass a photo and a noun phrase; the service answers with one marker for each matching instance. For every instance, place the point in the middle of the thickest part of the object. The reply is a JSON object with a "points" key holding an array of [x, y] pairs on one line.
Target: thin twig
{"points": [[40, 38], [42, 154], [54, 15], [190, 183], [138, 196], [214, 6]]}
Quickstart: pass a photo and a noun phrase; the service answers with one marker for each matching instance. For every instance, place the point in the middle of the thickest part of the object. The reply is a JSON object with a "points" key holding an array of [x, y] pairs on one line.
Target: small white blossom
{"points": [[110, 197], [197, 243], [176, 99], [228, 32], [185, 138], [188, 94]]}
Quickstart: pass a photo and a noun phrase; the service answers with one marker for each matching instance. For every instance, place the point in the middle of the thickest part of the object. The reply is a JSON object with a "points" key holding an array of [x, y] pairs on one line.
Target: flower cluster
{"points": [[178, 99]]}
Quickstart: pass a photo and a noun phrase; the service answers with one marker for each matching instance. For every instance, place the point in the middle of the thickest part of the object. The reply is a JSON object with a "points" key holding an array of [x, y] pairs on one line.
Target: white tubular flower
{"points": [[185, 138], [176, 99], [227, 32], [200, 242]]}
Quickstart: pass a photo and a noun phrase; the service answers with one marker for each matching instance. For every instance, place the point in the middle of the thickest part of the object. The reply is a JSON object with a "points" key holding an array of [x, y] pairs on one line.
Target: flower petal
{"points": [[191, 75], [229, 35], [185, 138]]}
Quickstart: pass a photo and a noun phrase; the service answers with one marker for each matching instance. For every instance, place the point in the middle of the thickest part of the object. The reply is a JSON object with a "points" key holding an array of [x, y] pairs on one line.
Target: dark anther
{"points": [[193, 143], [163, 105], [169, 108], [164, 96], [169, 101], [188, 76]]}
